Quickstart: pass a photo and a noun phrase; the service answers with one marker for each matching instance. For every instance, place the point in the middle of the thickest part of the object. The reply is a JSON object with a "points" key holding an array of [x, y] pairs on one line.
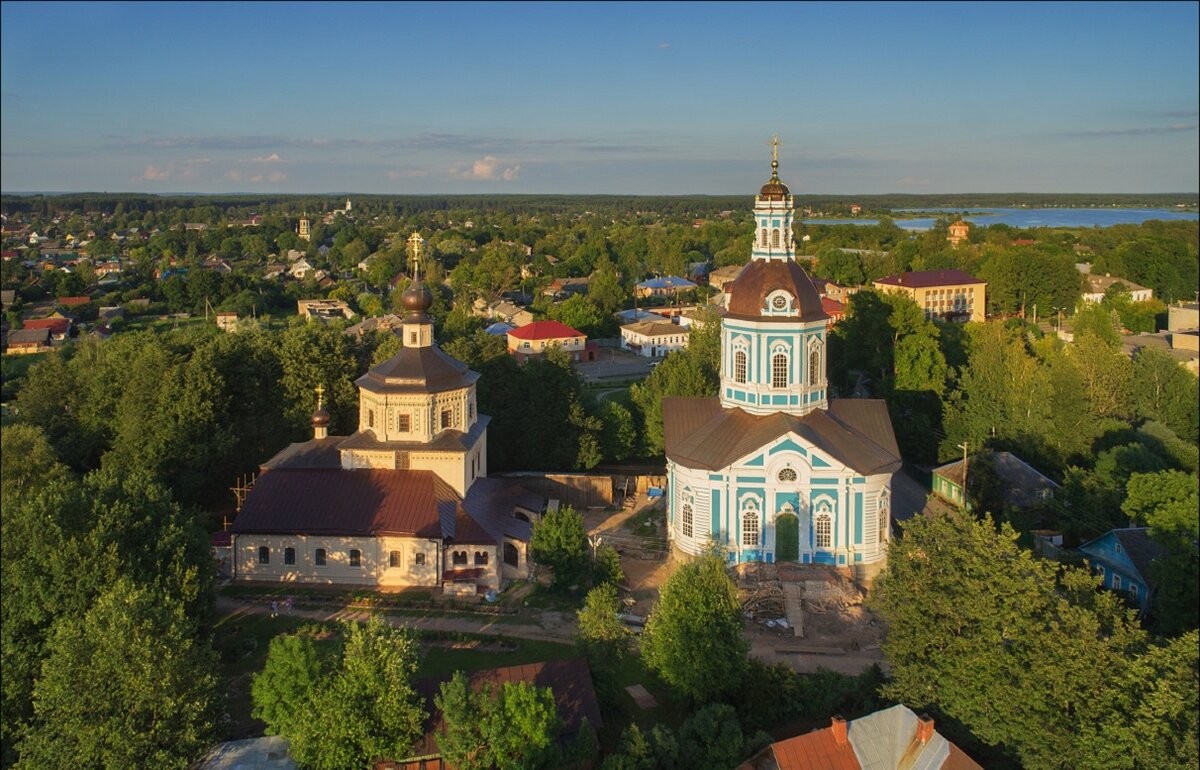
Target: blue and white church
{"points": [[773, 469]]}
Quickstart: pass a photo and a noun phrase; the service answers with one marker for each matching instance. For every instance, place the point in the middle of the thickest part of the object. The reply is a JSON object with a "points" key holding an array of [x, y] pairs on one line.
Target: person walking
{"points": [[274, 608]]}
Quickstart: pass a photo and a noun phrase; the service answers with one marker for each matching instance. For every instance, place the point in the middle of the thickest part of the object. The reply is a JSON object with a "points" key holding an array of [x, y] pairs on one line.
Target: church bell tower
{"points": [[773, 215]]}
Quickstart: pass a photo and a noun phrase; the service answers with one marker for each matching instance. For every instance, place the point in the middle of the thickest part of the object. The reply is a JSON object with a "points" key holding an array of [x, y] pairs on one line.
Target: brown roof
{"points": [[417, 370], [928, 278], [492, 501], [817, 750], [29, 337], [748, 294], [655, 328], [73, 301], [570, 680], [366, 502], [1139, 547], [316, 453], [855, 432]]}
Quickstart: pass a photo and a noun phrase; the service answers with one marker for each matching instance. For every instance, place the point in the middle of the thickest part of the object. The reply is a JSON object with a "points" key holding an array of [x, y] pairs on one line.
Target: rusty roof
{"points": [[364, 503], [856, 432], [570, 680], [748, 294], [817, 750]]}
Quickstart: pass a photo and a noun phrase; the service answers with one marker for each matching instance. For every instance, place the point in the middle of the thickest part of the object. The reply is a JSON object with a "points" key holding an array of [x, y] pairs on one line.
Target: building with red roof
{"points": [[403, 500], [60, 328], [944, 295], [535, 338]]}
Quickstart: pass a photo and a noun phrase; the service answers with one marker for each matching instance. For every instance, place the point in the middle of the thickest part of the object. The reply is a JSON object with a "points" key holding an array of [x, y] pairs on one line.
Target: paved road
{"points": [[550, 626]]}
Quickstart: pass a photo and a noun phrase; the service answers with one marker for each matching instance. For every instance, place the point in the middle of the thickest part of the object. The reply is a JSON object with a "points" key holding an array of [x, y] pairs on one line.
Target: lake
{"points": [[1057, 217]]}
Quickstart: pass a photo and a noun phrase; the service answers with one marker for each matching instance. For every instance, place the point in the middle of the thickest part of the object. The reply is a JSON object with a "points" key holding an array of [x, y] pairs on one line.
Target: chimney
{"points": [[838, 728], [924, 729]]}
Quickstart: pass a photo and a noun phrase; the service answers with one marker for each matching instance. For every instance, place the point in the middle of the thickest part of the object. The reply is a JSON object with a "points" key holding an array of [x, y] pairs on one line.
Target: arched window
{"points": [[750, 522], [419, 559], [814, 366], [319, 557], [289, 555], [481, 558], [824, 530], [355, 557], [787, 475], [264, 555], [394, 559], [370, 418], [762, 239], [775, 238], [511, 555], [687, 519], [460, 558], [884, 529], [739, 366], [779, 370]]}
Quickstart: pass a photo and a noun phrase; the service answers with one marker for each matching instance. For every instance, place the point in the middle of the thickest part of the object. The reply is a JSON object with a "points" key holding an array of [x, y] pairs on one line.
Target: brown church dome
{"points": [[416, 299], [761, 278]]}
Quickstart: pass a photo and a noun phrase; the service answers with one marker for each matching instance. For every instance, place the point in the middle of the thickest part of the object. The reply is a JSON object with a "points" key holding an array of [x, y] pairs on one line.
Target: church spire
{"points": [[320, 418], [773, 214], [416, 300]]}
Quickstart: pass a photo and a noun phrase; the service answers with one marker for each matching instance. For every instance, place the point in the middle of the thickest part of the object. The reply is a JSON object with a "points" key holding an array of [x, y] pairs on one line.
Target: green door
{"points": [[787, 537]]}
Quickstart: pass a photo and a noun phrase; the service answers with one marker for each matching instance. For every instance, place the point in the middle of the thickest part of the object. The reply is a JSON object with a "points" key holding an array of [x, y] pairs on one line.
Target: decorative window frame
{"points": [[882, 526], [815, 346], [789, 306], [687, 513], [781, 348], [740, 375], [750, 510], [823, 518]]}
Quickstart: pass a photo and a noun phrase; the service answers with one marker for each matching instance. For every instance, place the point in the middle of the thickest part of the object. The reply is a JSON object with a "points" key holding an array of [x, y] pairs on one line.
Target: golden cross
{"points": [[414, 242], [775, 145], [320, 392]]}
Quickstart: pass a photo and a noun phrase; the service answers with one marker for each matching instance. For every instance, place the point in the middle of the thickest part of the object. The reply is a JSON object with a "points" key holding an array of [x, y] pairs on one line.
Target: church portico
{"points": [[772, 469]]}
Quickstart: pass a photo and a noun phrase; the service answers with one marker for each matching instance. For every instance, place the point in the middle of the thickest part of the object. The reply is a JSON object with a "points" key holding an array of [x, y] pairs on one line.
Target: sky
{"points": [[639, 98]]}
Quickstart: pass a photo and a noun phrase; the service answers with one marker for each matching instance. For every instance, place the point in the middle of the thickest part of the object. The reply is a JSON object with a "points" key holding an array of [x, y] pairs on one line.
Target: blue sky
{"points": [[599, 98]]}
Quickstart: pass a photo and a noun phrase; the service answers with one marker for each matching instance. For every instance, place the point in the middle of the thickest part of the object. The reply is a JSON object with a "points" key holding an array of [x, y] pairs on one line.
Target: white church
{"points": [[772, 469]]}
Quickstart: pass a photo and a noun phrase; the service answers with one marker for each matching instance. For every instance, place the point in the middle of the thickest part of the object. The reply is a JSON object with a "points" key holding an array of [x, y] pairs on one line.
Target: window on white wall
{"points": [[319, 557], [687, 519], [264, 555], [394, 559], [779, 370], [762, 241], [883, 517], [289, 556], [824, 531], [739, 366], [814, 366], [775, 238], [787, 475], [750, 516], [355, 557]]}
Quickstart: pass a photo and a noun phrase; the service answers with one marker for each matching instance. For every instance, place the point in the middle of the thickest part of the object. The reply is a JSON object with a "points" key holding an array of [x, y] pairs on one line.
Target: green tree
{"points": [[367, 710], [603, 638], [1169, 503], [974, 621], [157, 705], [618, 436], [1149, 716], [1100, 321], [1165, 391], [512, 727], [604, 288], [280, 691], [693, 638], [583, 314], [560, 542], [843, 267]]}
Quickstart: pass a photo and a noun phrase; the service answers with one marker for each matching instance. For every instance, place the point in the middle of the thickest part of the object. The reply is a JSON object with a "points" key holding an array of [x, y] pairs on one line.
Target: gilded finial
{"points": [[415, 244], [775, 145], [320, 392]]}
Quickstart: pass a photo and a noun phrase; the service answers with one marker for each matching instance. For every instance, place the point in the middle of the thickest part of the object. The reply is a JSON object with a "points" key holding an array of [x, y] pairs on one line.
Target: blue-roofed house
{"points": [[1122, 557], [633, 315], [664, 286], [499, 328]]}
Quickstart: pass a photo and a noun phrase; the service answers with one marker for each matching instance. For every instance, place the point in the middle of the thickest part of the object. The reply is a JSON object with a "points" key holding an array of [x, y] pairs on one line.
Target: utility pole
{"points": [[963, 447]]}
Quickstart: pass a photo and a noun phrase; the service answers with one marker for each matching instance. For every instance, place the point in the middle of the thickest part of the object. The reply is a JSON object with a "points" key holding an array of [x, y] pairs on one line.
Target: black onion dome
{"points": [[320, 418], [416, 299]]}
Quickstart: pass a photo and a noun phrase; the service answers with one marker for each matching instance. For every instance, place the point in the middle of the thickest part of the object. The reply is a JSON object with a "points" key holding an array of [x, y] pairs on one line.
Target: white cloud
{"points": [[487, 167], [272, 158], [664, 46], [155, 173]]}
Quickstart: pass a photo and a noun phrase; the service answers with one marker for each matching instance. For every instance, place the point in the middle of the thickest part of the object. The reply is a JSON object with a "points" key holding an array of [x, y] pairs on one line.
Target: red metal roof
{"points": [[545, 330], [832, 307], [73, 301], [927, 278], [55, 325], [817, 750]]}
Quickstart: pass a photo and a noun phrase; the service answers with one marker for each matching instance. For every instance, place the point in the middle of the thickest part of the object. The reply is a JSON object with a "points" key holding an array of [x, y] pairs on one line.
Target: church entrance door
{"points": [[787, 537]]}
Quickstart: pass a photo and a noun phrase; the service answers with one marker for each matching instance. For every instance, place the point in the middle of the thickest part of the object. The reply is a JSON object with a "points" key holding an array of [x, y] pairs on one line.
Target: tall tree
{"points": [[693, 638], [559, 542], [158, 700], [511, 727]]}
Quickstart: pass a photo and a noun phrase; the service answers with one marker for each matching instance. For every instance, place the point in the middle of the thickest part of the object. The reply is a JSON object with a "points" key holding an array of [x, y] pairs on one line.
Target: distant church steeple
{"points": [[305, 229], [773, 215]]}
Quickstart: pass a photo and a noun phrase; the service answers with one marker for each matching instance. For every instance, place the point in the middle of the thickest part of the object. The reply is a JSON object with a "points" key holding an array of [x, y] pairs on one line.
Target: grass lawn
{"points": [[540, 597]]}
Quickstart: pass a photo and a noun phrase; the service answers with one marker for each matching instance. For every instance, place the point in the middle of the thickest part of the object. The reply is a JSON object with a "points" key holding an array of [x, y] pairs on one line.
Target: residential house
{"points": [[561, 288], [386, 323], [301, 268], [59, 328], [73, 301], [1122, 559], [323, 309], [633, 315], [834, 309], [227, 321], [892, 738], [24, 341], [111, 313], [218, 265], [498, 328], [569, 680], [1023, 485], [533, 340], [7, 298], [1184, 316], [105, 269], [274, 270], [945, 295], [1098, 286], [664, 286], [835, 291], [508, 313], [654, 339], [719, 278]]}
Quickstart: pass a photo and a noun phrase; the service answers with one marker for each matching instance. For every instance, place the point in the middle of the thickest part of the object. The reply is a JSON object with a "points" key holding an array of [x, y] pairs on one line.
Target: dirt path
{"points": [[551, 626]]}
